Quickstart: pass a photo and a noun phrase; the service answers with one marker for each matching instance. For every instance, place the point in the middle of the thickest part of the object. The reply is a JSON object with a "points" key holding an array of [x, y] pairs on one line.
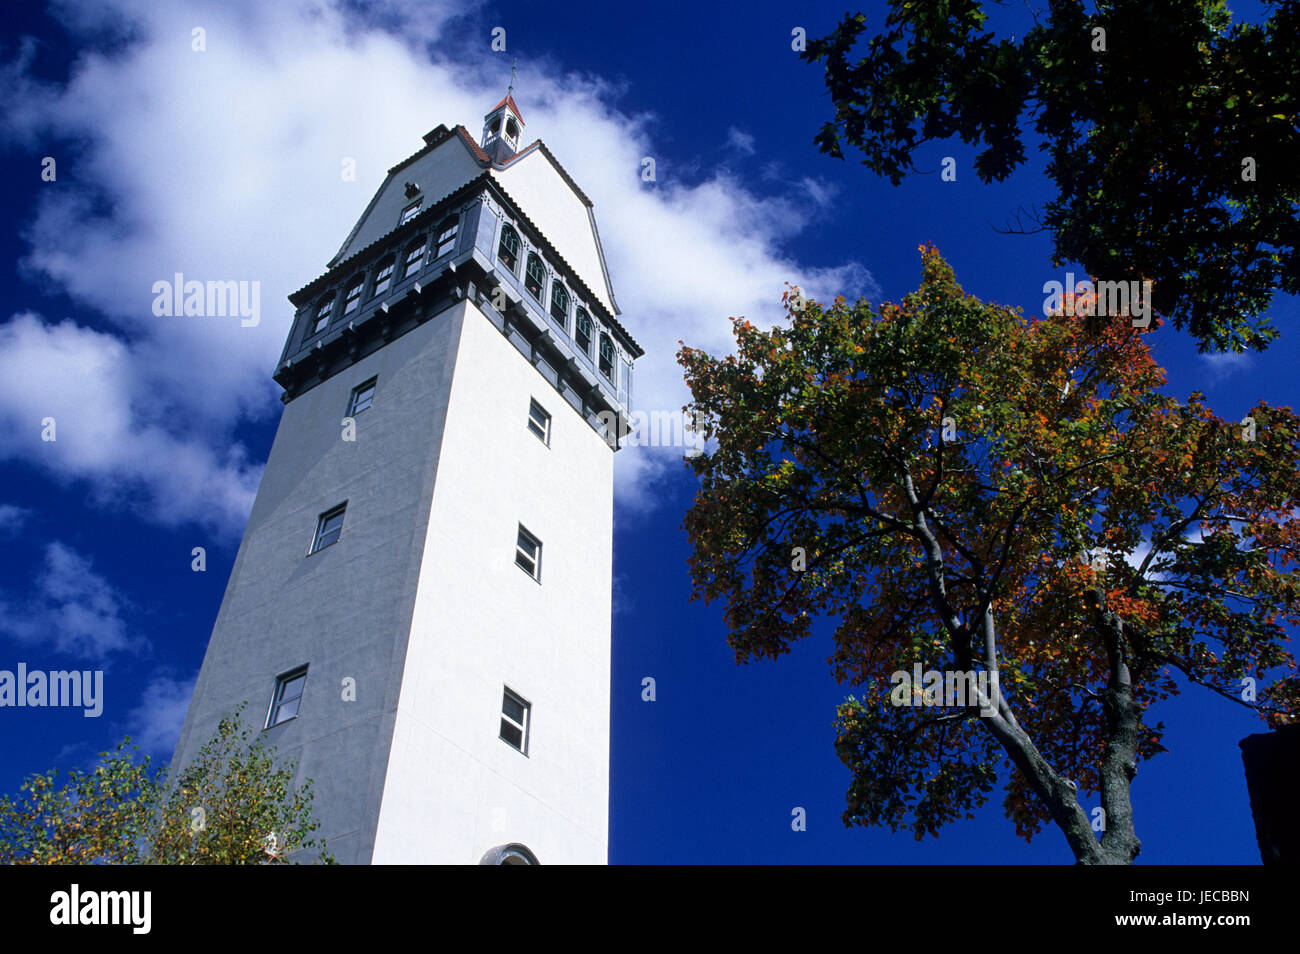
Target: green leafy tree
{"points": [[231, 805], [103, 815], [1172, 134], [968, 491]]}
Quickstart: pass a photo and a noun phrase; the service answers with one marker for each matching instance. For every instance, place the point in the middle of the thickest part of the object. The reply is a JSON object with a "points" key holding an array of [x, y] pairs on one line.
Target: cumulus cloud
{"points": [[226, 165], [71, 608], [155, 723], [91, 393]]}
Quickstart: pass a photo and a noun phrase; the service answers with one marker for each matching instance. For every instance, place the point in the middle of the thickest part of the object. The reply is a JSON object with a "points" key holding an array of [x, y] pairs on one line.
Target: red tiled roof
{"points": [[507, 101], [474, 147]]}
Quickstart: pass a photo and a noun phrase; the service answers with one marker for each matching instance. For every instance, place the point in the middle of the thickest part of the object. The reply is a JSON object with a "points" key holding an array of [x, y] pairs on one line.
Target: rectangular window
{"points": [[410, 212], [515, 711], [539, 422], [446, 238], [287, 696], [323, 311], [384, 276], [528, 554], [413, 257], [362, 395], [328, 528], [352, 297]]}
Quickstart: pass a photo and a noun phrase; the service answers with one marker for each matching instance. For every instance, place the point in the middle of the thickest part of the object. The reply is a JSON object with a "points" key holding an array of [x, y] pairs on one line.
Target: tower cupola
{"points": [[503, 129]]}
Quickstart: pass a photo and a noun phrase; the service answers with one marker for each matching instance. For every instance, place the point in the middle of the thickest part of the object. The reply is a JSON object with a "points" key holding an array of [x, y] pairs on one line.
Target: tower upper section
{"points": [[504, 226]]}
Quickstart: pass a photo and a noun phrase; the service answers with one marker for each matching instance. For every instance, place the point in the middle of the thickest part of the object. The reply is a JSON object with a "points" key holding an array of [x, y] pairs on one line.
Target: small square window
{"points": [[539, 422], [328, 528], [515, 712], [287, 696], [362, 396], [528, 554], [410, 212]]}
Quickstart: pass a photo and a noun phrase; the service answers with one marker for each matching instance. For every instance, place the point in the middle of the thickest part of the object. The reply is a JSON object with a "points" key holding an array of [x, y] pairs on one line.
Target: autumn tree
{"points": [[966, 490], [1172, 134], [233, 804]]}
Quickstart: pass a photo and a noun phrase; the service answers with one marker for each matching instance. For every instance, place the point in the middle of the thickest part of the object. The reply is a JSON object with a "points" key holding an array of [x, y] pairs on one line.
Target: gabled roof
{"points": [[440, 135]]}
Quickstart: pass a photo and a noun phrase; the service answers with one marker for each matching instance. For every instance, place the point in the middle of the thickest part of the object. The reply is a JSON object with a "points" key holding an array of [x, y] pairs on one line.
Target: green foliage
{"points": [[101, 816], [231, 805], [227, 803], [1146, 138]]}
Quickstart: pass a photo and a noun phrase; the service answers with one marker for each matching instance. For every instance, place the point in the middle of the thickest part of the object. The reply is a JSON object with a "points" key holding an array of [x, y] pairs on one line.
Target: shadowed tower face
{"points": [[419, 612]]}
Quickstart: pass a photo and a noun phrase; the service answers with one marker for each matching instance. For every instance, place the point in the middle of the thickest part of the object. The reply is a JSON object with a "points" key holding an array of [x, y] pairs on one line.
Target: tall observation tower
{"points": [[419, 611]]}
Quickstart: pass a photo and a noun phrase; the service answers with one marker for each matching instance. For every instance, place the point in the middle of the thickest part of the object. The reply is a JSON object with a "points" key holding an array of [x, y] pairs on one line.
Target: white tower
{"points": [[419, 611]]}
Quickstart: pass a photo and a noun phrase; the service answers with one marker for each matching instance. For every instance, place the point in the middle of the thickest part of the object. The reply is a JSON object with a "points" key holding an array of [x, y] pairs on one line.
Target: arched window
{"points": [[384, 276], [606, 356], [414, 255], [512, 854], [508, 249], [446, 237], [322, 318], [535, 277], [352, 295], [560, 304], [582, 331]]}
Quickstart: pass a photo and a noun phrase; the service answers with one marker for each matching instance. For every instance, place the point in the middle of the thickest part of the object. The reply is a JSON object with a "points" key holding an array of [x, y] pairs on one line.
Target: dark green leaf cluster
{"points": [[1148, 138]]}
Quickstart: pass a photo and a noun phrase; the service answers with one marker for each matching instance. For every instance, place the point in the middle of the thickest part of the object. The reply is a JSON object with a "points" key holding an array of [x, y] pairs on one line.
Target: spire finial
{"points": [[511, 88]]}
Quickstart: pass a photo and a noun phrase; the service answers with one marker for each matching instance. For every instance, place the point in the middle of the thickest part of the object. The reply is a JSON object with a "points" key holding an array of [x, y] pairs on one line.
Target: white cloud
{"points": [[1224, 364], [225, 165], [72, 608], [112, 426], [155, 723]]}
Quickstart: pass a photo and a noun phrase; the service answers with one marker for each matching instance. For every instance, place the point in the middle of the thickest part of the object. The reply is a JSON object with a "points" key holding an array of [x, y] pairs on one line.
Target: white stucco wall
{"points": [[453, 788]]}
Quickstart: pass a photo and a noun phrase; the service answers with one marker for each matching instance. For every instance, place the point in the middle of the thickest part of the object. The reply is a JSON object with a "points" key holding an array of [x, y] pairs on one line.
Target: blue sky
{"points": [[226, 162]]}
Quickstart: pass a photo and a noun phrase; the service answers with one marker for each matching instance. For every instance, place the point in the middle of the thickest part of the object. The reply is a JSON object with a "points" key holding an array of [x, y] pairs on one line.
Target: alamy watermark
{"points": [[658, 429], [1108, 299], [948, 688], [59, 688], [181, 298], [127, 908]]}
